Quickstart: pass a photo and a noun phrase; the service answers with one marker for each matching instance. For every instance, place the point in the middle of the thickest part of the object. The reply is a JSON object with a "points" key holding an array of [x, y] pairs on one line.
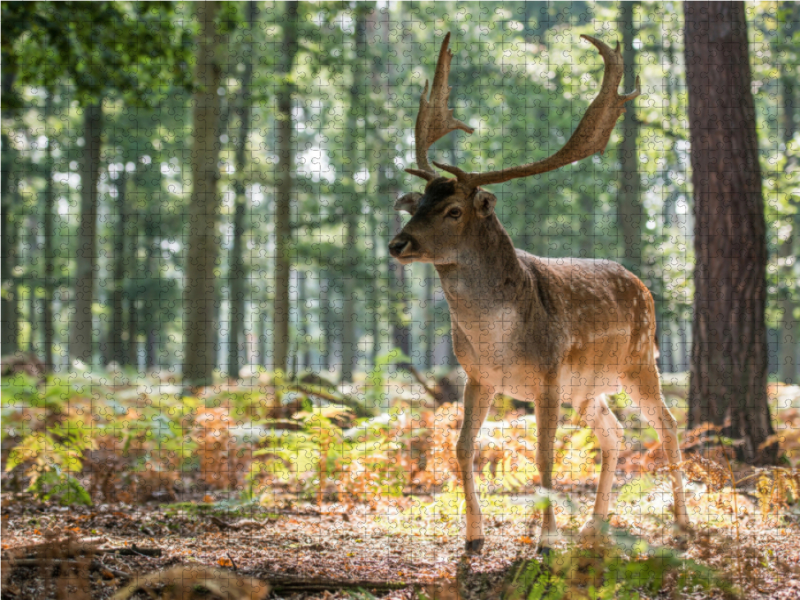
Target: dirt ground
{"points": [[305, 552]]}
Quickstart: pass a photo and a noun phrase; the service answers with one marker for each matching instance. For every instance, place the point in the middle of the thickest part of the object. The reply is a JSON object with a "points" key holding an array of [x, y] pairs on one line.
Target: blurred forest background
{"points": [[308, 117]]}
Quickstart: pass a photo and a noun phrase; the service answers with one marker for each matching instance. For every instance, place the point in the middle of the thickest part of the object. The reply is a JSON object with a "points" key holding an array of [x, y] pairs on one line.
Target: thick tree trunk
{"points": [[283, 199], [9, 325], [48, 256], [237, 271], [728, 378], [788, 328], [353, 208], [199, 291], [116, 339], [630, 196], [81, 345]]}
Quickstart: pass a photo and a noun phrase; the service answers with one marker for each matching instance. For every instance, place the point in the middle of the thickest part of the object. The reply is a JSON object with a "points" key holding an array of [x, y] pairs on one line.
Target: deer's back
{"points": [[604, 311]]}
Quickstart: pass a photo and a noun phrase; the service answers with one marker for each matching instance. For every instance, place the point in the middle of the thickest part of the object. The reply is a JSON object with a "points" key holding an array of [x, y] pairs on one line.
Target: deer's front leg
{"points": [[477, 400], [546, 406]]}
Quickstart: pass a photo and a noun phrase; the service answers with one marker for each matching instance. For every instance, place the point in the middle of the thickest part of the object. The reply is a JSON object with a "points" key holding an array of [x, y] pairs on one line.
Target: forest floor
{"points": [[136, 501], [335, 552]]}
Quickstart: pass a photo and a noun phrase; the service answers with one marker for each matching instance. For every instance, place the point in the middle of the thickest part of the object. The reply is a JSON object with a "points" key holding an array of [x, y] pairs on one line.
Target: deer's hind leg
{"points": [[642, 384], [596, 414]]}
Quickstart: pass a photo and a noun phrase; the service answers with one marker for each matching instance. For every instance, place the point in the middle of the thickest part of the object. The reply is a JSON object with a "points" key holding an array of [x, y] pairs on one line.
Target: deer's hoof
{"points": [[474, 546], [546, 551]]}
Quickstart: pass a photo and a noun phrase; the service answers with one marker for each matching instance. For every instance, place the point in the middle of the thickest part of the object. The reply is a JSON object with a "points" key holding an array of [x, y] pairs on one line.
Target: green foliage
{"points": [[53, 460]]}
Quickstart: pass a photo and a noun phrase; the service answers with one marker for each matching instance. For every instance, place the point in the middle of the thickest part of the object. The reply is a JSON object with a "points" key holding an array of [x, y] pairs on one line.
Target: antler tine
{"points": [[592, 133], [434, 119]]}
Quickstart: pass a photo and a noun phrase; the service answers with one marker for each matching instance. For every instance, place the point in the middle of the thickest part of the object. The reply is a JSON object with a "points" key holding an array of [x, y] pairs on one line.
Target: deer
{"points": [[550, 331]]}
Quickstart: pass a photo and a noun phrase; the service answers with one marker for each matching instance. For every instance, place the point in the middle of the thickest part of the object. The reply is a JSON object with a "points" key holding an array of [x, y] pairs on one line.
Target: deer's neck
{"points": [[488, 272]]}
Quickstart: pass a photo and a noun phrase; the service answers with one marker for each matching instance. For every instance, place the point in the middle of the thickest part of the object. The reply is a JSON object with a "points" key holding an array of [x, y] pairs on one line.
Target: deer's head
{"points": [[449, 213]]}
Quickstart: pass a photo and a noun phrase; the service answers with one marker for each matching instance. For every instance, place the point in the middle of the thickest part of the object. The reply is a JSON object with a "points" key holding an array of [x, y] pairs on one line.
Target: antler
{"points": [[591, 135], [435, 120]]}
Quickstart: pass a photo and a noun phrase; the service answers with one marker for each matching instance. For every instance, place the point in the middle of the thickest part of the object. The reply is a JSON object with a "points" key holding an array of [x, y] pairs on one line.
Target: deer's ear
{"points": [[484, 203], [408, 202]]}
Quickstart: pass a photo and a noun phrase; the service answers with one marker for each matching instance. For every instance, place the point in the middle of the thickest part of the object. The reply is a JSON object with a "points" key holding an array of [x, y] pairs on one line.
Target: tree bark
{"points": [[237, 271], [34, 276], [131, 269], [630, 194], [48, 217], [116, 339], [199, 291], [353, 208], [81, 345], [728, 376], [283, 199], [9, 327], [787, 288], [401, 333]]}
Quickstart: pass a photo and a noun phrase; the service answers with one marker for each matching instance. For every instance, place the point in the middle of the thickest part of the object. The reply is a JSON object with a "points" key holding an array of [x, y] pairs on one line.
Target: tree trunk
{"points": [[353, 208], [48, 255], [630, 199], [9, 324], [401, 333], [33, 278], [81, 345], [131, 271], [728, 378], [788, 329], [199, 291], [283, 199], [116, 339], [237, 271], [151, 308], [325, 289]]}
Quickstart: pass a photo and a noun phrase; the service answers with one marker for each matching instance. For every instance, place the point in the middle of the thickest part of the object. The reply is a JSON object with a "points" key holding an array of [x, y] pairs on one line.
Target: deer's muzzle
{"points": [[401, 246]]}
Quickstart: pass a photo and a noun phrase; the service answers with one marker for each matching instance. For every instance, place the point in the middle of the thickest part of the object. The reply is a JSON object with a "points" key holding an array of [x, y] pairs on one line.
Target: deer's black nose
{"points": [[398, 245]]}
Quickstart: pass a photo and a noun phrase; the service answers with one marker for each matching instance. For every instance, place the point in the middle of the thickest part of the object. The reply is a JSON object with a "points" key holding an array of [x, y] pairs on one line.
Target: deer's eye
{"points": [[454, 213]]}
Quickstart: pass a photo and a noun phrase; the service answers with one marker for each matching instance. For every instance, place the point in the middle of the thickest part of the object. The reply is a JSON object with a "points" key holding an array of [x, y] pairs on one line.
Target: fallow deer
{"points": [[547, 330]]}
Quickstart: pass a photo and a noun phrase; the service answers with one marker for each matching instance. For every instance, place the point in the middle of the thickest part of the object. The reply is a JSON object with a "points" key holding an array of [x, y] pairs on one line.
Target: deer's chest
{"points": [[489, 343]]}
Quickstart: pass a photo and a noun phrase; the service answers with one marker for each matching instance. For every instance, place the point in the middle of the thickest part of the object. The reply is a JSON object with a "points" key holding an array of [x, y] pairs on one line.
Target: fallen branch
{"points": [[245, 524], [94, 565], [283, 583], [352, 403], [433, 393]]}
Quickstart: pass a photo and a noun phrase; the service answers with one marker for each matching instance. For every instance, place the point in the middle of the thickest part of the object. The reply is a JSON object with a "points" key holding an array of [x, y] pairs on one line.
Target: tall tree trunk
{"points": [[353, 209], [728, 377], [131, 271], [326, 310], [48, 255], [788, 328], [630, 200], [401, 332], [33, 278], [116, 339], [237, 271], [151, 311], [199, 291], [283, 200], [81, 345], [9, 324]]}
